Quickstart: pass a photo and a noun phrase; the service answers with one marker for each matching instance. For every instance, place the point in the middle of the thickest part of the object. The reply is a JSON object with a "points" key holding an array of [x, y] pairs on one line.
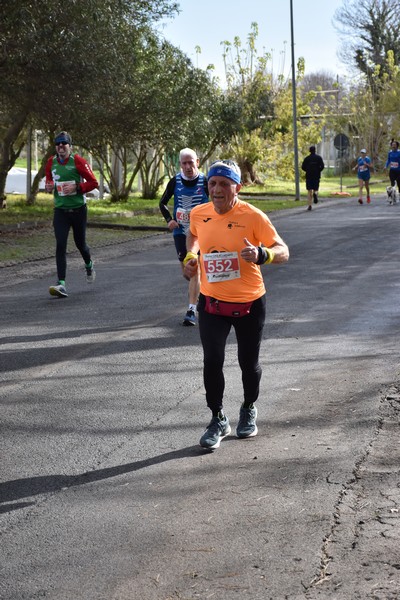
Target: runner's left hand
{"points": [[249, 253]]}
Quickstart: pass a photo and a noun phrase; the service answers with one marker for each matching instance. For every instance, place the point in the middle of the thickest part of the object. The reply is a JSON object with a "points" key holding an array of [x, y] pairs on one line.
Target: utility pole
{"points": [[295, 144], [29, 163]]}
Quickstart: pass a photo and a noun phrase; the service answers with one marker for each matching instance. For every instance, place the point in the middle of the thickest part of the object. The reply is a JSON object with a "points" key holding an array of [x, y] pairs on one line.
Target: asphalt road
{"points": [[105, 493]]}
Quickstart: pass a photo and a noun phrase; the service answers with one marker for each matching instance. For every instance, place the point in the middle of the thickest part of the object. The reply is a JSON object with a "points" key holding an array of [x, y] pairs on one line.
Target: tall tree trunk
{"points": [[8, 155], [31, 199]]}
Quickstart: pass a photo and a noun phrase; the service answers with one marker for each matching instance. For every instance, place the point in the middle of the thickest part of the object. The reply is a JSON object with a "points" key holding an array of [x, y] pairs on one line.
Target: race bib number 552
{"points": [[221, 266]]}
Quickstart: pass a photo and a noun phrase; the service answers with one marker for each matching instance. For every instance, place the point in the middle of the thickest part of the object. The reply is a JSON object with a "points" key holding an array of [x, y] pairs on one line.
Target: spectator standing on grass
{"points": [[69, 177], [234, 239], [313, 165], [188, 188], [364, 174]]}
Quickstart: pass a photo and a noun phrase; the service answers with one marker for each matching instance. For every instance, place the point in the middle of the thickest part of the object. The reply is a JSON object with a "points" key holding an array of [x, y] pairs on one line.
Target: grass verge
{"points": [[37, 241]]}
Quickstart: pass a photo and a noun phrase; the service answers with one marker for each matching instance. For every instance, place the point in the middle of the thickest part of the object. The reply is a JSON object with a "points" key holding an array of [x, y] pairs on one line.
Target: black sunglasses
{"points": [[62, 143]]}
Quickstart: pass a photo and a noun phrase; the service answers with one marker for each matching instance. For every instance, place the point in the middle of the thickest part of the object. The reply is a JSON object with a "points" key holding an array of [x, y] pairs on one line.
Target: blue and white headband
{"points": [[227, 169]]}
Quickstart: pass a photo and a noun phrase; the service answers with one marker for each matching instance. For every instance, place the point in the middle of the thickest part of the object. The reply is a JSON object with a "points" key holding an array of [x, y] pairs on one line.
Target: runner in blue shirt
{"points": [[364, 174], [188, 189], [393, 162]]}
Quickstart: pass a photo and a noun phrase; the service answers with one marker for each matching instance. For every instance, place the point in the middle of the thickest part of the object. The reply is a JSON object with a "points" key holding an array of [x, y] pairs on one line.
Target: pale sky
{"points": [[207, 23]]}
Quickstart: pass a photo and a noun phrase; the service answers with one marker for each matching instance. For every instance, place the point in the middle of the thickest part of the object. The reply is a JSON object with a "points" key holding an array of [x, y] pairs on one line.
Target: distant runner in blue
{"points": [[364, 174], [393, 162]]}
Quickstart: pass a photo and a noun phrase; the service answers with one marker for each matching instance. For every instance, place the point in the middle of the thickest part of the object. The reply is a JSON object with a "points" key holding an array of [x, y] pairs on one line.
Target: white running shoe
{"points": [[90, 274], [58, 290]]}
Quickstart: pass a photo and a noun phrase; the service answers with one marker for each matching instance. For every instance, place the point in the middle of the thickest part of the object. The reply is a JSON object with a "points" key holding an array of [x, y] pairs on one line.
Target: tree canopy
{"points": [[370, 29], [101, 70], [56, 57]]}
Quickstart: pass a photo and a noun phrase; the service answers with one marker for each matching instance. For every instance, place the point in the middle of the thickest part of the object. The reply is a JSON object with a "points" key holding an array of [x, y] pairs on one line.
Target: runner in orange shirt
{"points": [[234, 239]]}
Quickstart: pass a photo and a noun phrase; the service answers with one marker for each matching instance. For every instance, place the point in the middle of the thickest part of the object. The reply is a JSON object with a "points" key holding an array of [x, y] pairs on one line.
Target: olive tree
{"points": [[56, 57]]}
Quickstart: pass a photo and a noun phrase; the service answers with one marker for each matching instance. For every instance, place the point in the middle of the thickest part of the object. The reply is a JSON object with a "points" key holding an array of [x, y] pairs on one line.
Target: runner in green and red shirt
{"points": [[69, 177]]}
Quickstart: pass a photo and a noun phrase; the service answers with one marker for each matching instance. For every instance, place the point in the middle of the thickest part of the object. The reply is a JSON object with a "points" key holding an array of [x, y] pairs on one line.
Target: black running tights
{"points": [[63, 221], [214, 331]]}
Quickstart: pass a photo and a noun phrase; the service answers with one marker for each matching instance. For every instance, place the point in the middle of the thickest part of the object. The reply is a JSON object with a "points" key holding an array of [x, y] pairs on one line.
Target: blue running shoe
{"points": [[58, 290], [215, 432], [190, 319], [247, 426]]}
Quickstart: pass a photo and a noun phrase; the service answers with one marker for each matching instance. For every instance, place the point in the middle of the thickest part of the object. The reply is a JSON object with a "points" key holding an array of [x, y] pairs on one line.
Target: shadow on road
{"points": [[11, 491]]}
